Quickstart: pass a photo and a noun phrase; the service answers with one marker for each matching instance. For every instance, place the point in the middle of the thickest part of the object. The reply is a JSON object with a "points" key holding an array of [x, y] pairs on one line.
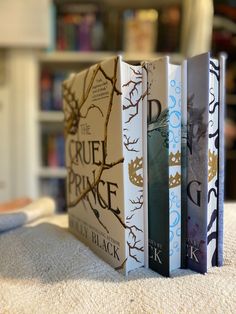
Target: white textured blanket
{"points": [[42, 207], [44, 269]]}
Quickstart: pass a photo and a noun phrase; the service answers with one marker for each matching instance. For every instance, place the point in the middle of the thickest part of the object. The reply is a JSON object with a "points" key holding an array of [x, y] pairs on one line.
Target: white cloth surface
{"points": [[42, 207], [45, 269]]}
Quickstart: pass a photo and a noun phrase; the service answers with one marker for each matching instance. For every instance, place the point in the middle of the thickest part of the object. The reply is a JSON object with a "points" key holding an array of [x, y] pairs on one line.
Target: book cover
{"points": [[103, 126], [145, 158], [140, 30], [204, 136], [164, 165], [46, 91]]}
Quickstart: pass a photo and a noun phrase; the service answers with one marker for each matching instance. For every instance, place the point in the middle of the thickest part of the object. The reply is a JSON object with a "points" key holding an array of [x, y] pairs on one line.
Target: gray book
{"points": [[205, 159]]}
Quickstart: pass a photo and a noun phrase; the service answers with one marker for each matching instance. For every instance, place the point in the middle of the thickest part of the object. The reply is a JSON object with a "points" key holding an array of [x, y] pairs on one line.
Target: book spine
{"points": [[145, 162], [197, 188], [184, 165], [53, 17], [174, 134], [56, 90], [213, 145], [131, 78], [46, 91], [221, 161], [103, 122], [158, 166]]}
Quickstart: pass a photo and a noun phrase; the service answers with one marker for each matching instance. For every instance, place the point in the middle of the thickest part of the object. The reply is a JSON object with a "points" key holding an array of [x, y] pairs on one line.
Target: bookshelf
{"points": [[66, 61], [71, 21]]}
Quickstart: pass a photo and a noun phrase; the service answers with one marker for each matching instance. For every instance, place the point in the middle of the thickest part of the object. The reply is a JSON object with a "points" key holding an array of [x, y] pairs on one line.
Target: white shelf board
{"points": [[175, 57], [50, 172], [50, 116], [94, 57], [74, 57]]}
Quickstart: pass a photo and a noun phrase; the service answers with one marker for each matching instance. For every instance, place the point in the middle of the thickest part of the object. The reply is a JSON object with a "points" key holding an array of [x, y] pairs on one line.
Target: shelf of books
{"points": [[74, 56]]}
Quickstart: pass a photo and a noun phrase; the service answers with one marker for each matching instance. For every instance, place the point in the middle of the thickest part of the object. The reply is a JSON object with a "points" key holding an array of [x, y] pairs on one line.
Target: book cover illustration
{"points": [[103, 123], [175, 165], [203, 145], [164, 166]]}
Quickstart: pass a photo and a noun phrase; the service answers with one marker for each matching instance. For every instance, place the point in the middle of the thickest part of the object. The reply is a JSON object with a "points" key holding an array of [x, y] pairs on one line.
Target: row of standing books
{"points": [[145, 162], [90, 27], [53, 150], [83, 32]]}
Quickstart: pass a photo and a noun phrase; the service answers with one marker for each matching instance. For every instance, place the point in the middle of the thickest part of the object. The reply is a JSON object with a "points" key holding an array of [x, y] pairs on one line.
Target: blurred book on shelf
{"points": [[79, 27], [93, 26], [169, 28], [140, 30], [50, 90], [53, 150]]}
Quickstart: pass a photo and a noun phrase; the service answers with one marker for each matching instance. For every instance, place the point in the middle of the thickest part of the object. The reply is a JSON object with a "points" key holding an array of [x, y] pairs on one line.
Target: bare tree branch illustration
{"points": [[129, 143], [122, 265], [134, 247], [137, 72], [74, 106], [133, 103], [134, 88], [129, 217], [96, 213], [138, 203], [89, 108], [104, 165]]}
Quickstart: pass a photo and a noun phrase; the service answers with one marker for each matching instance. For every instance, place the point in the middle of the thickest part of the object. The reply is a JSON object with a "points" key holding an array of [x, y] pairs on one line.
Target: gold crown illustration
{"points": [[174, 180], [175, 159], [134, 167], [212, 165]]}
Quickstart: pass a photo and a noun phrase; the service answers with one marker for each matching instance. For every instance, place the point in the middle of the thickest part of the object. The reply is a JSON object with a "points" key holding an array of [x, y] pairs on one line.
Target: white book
{"points": [[104, 160]]}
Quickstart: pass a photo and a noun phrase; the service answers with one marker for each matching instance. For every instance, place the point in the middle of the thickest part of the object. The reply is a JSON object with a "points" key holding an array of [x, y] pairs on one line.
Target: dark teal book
{"points": [[164, 165]]}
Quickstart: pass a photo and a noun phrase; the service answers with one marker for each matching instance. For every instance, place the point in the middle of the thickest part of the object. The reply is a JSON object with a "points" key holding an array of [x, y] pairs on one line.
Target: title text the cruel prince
{"points": [[84, 153]]}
